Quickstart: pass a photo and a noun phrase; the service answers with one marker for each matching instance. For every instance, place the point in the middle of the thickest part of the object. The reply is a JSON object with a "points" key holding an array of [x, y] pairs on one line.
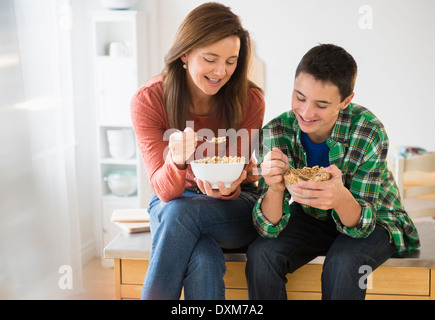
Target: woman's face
{"points": [[209, 68]]}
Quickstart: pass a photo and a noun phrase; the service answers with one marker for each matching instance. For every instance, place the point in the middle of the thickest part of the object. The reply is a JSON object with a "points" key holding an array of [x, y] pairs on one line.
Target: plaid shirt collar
{"points": [[340, 132]]}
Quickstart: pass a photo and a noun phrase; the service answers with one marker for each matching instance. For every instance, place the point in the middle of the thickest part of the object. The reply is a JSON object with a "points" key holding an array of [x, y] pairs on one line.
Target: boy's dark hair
{"points": [[330, 63]]}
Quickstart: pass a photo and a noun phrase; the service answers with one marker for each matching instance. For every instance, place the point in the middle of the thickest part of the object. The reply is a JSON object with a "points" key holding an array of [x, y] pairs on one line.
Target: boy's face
{"points": [[316, 105]]}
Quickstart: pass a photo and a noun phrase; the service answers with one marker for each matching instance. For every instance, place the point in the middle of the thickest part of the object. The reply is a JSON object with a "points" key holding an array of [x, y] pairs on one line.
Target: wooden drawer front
{"points": [[306, 278], [242, 294], [385, 280], [235, 276], [403, 281], [304, 283], [303, 295], [133, 271], [131, 291], [236, 294]]}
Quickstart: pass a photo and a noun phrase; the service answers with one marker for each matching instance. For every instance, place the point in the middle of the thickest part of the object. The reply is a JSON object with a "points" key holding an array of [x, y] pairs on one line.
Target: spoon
{"points": [[291, 167], [215, 140]]}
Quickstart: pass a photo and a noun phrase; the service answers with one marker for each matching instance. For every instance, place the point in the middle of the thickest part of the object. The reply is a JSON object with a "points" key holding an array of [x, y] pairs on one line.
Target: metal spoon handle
{"points": [[291, 167]]}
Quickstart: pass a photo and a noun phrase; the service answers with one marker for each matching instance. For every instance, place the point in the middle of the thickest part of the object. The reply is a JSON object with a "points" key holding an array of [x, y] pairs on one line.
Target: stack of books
{"points": [[132, 220]]}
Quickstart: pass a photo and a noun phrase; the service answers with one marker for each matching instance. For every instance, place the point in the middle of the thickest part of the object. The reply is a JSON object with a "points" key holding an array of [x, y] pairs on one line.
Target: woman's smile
{"points": [[214, 82]]}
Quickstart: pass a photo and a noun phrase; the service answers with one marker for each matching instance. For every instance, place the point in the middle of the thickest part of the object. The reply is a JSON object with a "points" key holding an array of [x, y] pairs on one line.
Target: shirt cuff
{"points": [[365, 225], [264, 227]]}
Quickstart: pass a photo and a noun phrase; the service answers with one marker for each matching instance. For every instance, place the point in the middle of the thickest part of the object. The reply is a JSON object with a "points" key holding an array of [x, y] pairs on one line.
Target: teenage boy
{"points": [[356, 218]]}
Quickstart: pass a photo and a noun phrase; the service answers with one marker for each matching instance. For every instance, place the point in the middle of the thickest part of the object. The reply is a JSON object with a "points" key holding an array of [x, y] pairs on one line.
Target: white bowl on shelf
{"points": [[122, 182], [121, 143], [118, 4]]}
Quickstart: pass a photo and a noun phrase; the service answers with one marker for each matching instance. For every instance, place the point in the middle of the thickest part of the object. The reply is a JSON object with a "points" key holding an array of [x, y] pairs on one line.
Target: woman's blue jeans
{"points": [[188, 234], [347, 260]]}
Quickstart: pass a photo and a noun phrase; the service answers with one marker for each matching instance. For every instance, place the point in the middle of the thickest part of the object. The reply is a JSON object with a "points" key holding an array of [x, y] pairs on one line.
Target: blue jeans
{"points": [[188, 234], [305, 238]]}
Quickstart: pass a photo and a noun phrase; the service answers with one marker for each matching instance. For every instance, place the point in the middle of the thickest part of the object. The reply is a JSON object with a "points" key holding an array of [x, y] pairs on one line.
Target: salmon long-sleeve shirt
{"points": [[151, 126]]}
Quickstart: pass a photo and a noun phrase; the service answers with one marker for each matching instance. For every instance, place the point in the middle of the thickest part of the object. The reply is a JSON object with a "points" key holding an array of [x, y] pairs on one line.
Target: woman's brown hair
{"points": [[203, 26]]}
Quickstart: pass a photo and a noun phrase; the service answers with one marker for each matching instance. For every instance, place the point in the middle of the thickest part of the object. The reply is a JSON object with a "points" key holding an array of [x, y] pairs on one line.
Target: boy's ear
{"points": [[347, 100]]}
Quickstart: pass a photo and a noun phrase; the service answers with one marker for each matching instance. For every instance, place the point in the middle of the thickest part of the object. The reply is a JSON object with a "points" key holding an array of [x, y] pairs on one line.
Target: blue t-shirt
{"points": [[317, 153]]}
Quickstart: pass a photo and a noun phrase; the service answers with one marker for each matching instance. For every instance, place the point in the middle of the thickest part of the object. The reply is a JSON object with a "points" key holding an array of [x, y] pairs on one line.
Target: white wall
{"points": [[395, 57]]}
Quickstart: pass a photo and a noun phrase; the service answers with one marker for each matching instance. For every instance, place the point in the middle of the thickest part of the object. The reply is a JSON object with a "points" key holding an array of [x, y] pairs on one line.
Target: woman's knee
{"points": [[207, 257], [178, 210]]}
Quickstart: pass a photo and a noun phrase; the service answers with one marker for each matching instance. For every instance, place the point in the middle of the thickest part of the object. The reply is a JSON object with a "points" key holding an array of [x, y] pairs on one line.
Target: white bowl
{"points": [[290, 187], [215, 172], [118, 4], [126, 151], [122, 183], [121, 143]]}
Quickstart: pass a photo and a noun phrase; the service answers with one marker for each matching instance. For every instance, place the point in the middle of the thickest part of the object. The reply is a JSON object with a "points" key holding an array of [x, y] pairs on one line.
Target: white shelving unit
{"points": [[116, 79]]}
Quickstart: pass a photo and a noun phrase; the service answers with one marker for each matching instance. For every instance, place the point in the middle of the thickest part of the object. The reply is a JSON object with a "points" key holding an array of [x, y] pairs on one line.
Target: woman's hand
{"points": [[275, 163], [223, 192], [182, 145]]}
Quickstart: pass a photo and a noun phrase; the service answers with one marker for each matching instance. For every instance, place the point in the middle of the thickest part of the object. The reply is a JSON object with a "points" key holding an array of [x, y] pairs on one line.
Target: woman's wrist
{"points": [[233, 194]]}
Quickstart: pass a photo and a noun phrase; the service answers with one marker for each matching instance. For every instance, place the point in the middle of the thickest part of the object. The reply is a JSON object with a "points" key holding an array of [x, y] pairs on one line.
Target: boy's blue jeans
{"points": [[304, 238], [188, 234]]}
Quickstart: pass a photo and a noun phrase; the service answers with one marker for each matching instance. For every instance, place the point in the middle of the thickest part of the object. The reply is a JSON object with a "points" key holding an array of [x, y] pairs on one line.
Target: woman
{"points": [[204, 87]]}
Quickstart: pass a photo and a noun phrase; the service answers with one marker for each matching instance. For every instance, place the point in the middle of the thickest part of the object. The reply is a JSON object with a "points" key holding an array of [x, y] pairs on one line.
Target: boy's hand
{"points": [[325, 194], [275, 163], [331, 194]]}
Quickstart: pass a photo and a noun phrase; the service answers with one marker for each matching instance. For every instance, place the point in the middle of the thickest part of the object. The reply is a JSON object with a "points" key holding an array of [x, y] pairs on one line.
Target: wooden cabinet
{"points": [[391, 283], [406, 277], [129, 276]]}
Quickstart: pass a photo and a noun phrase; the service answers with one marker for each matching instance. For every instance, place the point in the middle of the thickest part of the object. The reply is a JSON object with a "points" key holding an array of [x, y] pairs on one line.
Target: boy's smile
{"points": [[316, 105]]}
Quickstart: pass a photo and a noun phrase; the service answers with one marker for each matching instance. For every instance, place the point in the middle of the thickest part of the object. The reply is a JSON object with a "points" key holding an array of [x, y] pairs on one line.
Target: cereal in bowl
{"points": [[314, 174], [224, 159]]}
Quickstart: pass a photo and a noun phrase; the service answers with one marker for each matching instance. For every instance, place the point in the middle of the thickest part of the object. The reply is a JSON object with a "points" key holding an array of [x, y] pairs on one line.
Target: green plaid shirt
{"points": [[358, 147]]}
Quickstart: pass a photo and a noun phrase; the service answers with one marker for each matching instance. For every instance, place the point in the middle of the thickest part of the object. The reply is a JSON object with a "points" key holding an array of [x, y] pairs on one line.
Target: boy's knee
{"points": [[262, 255]]}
